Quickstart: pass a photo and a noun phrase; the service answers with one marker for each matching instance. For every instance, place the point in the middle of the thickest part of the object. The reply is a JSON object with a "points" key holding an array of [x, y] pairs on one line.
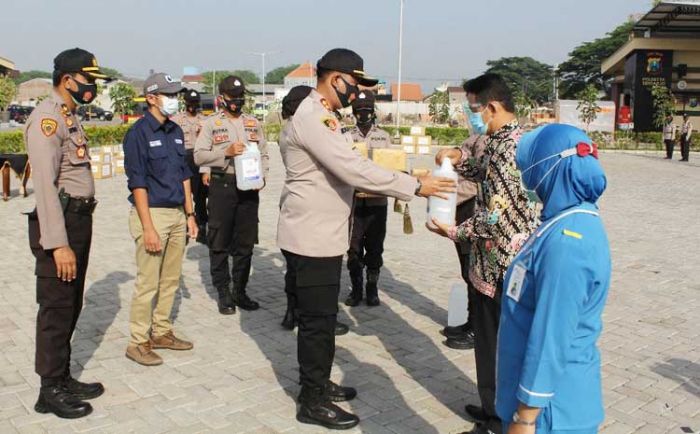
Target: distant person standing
{"points": [[686, 133], [669, 136], [190, 120]]}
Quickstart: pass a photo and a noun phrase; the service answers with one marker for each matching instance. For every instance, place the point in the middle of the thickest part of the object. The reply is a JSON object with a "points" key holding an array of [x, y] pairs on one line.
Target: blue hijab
{"points": [[577, 178]]}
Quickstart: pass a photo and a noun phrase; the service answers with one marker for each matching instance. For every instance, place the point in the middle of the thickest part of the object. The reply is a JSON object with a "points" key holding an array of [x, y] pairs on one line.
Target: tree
{"points": [[525, 75], [122, 96], [111, 72], [523, 104], [248, 77], [29, 75], [664, 104], [276, 76], [8, 90], [583, 66], [588, 105], [439, 107]]}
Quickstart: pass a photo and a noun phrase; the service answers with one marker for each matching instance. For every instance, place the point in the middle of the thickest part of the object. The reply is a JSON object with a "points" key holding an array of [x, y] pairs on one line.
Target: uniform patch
{"points": [[217, 122], [154, 143], [80, 152], [253, 137], [220, 138], [69, 122], [250, 123], [572, 234], [330, 123], [178, 141], [48, 127]]}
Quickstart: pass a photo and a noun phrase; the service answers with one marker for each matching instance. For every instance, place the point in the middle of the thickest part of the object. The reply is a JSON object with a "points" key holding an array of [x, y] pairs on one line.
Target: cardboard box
{"points": [[408, 143], [424, 141], [106, 149], [417, 131], [361, 148], [101, 171], [393, 159], [118, 166]]}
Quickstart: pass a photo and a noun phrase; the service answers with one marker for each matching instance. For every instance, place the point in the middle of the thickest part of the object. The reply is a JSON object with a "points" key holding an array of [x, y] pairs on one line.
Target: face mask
{"points": [[85, 94], [192, 109], [581, 149], [365, 117], [238, 102], [344, 98], [169, 105], [477, 121]]}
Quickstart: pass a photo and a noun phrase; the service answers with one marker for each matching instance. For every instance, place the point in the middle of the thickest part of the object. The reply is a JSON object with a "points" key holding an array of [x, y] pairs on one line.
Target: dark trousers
{"points": [[199, 191], [233, 230], [669, 148], [367, 237], [59, 302], [465, 210], [487, 314], [316, 283], [685, 148]]}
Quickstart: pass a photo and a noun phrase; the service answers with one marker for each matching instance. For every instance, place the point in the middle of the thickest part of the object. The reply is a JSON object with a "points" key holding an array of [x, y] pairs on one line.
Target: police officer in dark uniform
{"points": [[233, 213], [191, 121], [369, 211], [60, 229]]}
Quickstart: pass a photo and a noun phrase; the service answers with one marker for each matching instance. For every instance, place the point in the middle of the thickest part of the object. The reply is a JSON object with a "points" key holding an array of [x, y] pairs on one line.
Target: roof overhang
{"points": [[7, 63], [616, 63], [671, 18]]}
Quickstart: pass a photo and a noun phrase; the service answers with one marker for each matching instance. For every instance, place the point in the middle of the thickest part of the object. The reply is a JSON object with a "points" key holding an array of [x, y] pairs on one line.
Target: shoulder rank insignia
{"points": [[69, 122], [48, 127], [330, 123], [64, 110]]}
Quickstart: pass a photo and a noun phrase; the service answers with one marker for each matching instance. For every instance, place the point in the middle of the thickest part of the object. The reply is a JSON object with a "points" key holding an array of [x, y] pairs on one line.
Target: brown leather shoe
{"points": [[170, 342], [143, 354]]}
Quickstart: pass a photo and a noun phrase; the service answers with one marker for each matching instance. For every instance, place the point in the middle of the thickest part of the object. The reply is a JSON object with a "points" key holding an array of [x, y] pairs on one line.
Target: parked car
{"points": [[90, 112], [19, 113]]}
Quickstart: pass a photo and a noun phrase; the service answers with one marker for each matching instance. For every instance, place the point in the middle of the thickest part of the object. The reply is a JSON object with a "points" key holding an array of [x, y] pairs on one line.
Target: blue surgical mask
{"points": [[476, 120]]}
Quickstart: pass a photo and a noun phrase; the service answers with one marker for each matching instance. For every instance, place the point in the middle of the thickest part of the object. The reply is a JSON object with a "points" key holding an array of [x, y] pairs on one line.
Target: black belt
{"points": [[77, 205], [220, 174]]}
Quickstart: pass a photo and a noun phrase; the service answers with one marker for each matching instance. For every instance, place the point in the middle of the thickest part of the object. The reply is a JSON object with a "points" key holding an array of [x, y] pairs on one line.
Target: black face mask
{"points": [[238, 102], [85, 94], [192, 109], [344, 98], [365, 117]]}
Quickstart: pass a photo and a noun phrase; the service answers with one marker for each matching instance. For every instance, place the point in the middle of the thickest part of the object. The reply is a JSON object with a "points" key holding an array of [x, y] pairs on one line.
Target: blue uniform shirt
{"points": [[154, 159]]}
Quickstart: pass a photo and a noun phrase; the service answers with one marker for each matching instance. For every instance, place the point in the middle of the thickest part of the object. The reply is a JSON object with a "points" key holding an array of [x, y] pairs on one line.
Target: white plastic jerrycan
{"points": [[248, 165], [443, 210], [458, 307]]}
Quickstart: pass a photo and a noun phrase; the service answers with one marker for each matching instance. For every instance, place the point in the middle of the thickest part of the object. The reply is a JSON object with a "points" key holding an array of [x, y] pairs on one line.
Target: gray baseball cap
{"points": [[161, 82]]}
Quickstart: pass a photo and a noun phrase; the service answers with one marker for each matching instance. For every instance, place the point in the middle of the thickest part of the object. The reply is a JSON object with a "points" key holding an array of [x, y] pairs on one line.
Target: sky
{"points": [[444, 40]]}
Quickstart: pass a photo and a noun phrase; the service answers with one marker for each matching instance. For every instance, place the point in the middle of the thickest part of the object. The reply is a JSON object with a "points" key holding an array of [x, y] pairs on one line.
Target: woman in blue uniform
{"points": [[548, 369]]}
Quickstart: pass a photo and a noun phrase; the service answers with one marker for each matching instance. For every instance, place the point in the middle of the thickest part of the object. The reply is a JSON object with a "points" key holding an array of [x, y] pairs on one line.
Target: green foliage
{"points": [[439, 107], [525, 75], [248, 77], [276, 76], [588, 105], [122, 96], [111, 72], [8, 90], [523, 104], [664, 104], [272, 131], [583, 66], [13, 141], [29, 75]]}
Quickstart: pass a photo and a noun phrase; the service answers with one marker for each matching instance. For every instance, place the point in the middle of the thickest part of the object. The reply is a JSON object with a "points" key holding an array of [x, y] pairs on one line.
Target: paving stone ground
{"points": [[242, 374]]}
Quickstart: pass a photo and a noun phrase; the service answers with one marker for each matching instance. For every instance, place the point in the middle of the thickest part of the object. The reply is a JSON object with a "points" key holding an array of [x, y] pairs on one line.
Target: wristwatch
{"points": [[190, 214], [518, 421], [420, 185]]}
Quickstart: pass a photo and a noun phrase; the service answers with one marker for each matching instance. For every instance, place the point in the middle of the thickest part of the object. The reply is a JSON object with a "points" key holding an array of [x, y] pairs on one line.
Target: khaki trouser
{"points": [[157, 275]]}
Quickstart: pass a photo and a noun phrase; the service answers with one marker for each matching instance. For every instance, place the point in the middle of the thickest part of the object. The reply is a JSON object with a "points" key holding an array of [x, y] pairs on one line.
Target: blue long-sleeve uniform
{"points": [[554, 294]]}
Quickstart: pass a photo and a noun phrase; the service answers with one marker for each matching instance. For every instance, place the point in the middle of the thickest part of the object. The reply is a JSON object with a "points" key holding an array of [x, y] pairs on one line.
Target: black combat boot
{"points": [[225, 303], [83, 390], [355, 296], [290, 317], [337, 393], [316, 408], [59, 401], [372, 290], [240, 298]]}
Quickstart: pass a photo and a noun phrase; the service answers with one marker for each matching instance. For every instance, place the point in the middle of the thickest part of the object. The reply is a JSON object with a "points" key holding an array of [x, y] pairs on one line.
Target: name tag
{"points": [[178, 141], [155, 143], [515, 283]]}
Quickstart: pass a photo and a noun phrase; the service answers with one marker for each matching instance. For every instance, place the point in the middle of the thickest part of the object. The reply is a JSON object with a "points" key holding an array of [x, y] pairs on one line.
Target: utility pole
{"points": [[262, 56], [398, 93]]}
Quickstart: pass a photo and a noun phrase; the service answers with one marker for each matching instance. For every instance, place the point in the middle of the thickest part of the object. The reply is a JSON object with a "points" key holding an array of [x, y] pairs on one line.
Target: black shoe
{"points": [[476, 413], [479, 429], [337, 393], [241, 299], [683, 159], [456, 331], [371, 288], [341, 329], [57, 400], [354, 298], [225, 302], [83, 391], [464, 341], [290, 320], [320, 410]]}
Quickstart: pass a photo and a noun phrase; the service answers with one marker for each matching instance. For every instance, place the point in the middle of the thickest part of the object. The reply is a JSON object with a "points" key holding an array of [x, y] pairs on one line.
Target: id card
{"points": [[515, 283]]}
